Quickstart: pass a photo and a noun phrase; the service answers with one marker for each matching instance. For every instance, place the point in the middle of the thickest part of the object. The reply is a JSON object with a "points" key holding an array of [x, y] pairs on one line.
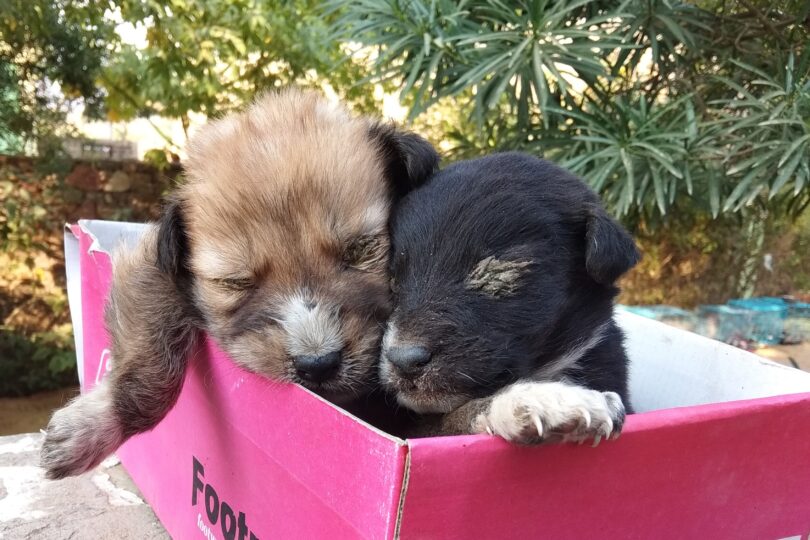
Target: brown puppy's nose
{"points": [[408, 358], [317, 368]]}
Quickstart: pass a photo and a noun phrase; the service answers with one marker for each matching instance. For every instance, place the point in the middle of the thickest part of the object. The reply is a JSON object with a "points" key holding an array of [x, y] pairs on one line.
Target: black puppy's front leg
{"points": [[533, 412]]}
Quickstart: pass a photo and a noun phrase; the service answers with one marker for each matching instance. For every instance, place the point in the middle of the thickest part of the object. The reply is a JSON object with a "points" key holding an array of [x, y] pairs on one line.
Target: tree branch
{"points": [[139, 106]]}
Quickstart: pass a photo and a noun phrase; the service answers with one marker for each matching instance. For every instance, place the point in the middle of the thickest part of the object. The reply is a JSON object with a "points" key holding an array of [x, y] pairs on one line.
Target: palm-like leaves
{"points": [[766, 131], [530, 48], [630, 94], [634, 151]]}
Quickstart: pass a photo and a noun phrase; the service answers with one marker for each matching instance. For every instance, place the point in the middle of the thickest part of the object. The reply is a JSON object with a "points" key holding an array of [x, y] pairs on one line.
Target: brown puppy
{"points": [[276, 246]]}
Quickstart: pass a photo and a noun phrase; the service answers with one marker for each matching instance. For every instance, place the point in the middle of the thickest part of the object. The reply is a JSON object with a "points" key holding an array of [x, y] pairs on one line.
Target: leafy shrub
{"points": [[651, 101], [42, 361]]}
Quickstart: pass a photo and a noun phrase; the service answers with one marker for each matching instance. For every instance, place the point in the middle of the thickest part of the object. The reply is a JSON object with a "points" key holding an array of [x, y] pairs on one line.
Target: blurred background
{"points": [[691, 119]]}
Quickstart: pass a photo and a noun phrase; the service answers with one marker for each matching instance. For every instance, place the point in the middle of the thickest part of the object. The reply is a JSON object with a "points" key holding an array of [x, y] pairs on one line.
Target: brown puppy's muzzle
{"points": [[318, 368]]}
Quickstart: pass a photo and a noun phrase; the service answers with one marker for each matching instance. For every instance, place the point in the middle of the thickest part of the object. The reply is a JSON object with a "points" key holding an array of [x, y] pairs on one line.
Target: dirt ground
{"points": [[30, 414], [797, 356]]}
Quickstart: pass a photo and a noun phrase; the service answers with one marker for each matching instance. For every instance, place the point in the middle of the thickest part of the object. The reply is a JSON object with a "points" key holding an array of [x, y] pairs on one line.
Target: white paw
{"points": [[538, 412], [80, 435]]}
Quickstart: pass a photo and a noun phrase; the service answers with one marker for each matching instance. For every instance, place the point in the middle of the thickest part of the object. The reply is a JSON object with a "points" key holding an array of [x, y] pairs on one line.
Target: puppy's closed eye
{"points": [[234, 284], [366, 253], [496, 277]]}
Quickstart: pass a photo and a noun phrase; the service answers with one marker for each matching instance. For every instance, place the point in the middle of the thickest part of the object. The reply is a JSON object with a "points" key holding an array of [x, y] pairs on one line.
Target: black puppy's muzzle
{"points": [[408, 360]]}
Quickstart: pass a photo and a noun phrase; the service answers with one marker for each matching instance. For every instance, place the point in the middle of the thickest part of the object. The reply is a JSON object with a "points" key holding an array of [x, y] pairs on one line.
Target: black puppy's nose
{"points": [[317, 368], [408, 358]]}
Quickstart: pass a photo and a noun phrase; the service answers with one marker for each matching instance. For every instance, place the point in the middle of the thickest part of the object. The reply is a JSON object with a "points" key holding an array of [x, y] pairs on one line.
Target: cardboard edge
{"points": [[109, 236], [86, 228], [392, 438], [73, 283], [645, 422], [675, 332], [709, 412], [406, 475]]}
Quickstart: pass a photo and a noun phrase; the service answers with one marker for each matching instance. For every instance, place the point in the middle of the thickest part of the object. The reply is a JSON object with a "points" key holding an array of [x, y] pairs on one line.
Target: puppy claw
{"points": [[586, 416], [538, 424]]}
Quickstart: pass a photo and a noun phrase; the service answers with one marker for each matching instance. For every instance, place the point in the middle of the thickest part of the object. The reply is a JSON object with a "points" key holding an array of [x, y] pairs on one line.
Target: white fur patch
{"points": [[568, 361], [311, 327], [82, 434], [211, 263], [330, 111], [390, 337], [375, 217], [388, 340], [533, 412]]}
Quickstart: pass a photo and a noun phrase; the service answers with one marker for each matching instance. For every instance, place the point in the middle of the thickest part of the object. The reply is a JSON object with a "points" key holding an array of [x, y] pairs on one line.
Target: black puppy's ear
{"points": [[172, 242], [609, 249], [409, 159]]}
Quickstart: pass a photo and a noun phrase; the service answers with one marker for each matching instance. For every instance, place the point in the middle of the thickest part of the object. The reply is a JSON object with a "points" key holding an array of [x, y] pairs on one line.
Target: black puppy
{"points": [[503, 274]]}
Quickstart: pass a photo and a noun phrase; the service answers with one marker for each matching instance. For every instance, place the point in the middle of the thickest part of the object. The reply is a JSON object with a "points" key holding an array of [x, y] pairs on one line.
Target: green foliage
{"points": [[200, 56], [20, 216], [158, 158], [211, 56], [766, 131], [44, 361], [661, 105], [42, 43], [29, 197]]}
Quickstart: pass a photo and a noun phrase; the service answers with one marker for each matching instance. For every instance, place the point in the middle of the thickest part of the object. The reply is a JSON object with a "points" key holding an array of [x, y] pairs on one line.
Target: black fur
{"points": [[512, 207], [172, 242], [609, 250], [409, 159]]}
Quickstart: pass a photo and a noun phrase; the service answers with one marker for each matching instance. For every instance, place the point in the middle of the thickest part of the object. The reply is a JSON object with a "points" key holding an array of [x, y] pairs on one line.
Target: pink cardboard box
{"points": [[719, 449]]}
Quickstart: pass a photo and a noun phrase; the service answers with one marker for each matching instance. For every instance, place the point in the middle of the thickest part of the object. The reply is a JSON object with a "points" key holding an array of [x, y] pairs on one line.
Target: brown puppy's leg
{"points": [[153, 330], [532, 412]]}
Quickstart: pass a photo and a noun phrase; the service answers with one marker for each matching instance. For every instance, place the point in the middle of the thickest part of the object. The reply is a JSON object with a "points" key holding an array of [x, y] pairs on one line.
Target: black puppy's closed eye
{"points": [[497, 277]]}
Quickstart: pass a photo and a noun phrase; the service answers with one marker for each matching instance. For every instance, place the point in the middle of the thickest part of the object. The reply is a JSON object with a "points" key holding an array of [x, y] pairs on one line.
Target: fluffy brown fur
{"points": [[276, 246]]}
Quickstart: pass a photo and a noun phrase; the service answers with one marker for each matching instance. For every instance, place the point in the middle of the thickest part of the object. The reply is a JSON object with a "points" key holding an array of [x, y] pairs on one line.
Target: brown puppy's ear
{"points": [[409, 159], [172, 242], [609, 249]]}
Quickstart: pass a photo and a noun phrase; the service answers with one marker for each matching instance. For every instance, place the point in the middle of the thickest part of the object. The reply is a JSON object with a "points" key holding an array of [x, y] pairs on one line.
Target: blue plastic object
{"points": [[797, 324], [725, 323], [767, 316]]}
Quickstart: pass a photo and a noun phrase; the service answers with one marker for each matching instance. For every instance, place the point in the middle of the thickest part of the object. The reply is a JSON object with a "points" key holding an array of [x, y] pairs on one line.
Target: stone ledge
{"points": [[103, 503]]}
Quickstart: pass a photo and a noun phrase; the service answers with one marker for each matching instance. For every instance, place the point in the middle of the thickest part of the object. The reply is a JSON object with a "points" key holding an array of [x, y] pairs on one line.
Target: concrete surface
{"points": [[101, 504], [797, 356]]}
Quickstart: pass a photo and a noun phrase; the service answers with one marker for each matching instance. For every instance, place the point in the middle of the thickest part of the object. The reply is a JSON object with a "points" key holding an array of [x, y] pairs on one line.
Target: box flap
{"points": [[670, 367], [101, 236], [74, 293], [724, 471]]}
